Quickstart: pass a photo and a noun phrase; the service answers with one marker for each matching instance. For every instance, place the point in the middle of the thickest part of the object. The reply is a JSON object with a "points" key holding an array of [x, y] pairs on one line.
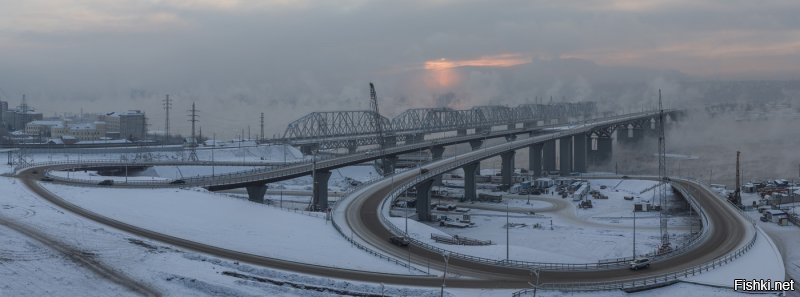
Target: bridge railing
{"points": [[646, 281]]}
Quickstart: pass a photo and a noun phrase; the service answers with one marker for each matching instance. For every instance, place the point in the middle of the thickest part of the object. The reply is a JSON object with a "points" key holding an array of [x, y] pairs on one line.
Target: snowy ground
{"points": [[29, 268], [226, 222], [606, 228]]}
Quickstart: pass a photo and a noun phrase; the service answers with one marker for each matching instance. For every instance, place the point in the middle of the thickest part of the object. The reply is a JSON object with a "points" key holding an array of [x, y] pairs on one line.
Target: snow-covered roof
{"points": [[57, 124]]}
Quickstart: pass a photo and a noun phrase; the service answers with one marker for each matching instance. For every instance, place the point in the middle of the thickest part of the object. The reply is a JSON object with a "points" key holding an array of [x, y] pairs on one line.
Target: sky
{"points": [[284, 58]]}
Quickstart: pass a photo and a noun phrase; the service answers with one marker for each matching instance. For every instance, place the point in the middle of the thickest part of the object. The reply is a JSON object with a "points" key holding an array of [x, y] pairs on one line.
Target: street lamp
{"points": [[634, 234], [508, 227], [446, 256]]}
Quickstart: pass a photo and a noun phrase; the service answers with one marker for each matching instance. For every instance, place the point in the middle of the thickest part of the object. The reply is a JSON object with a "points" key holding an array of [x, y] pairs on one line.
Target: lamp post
{"points": [[508, 227], [444, 276], [634, 234]]}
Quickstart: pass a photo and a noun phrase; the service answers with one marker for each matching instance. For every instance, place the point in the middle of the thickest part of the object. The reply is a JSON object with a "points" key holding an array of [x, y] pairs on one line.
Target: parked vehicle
{"points": [[399, 240], [640, 263], [106, 182], [763, 219], [177, 182]]}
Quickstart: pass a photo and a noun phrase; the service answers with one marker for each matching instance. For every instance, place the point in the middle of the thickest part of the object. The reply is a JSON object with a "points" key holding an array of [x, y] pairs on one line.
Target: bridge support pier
{"points": [[424, 201], [255, 193], [476, 145], [437, 152], [388, 164], [390, 141], [320, 190], [604, 150], [470, 170], [535, 159], [579, 161], [549, 157], [507, 169], [565, 155]]}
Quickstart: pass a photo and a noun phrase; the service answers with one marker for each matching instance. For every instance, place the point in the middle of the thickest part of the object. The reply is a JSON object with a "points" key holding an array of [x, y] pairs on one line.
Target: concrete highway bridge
{"points": [[726, 233], [574, 142]]}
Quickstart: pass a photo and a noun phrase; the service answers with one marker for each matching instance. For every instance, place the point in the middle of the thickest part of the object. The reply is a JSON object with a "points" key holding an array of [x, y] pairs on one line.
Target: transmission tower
{"points": [[662, 177], [167, 107], [193, 143], [262, 127]]}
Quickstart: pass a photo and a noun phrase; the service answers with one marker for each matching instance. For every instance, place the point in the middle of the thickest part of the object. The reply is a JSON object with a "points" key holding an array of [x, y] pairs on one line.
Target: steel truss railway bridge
{"points": [[571, 142]]}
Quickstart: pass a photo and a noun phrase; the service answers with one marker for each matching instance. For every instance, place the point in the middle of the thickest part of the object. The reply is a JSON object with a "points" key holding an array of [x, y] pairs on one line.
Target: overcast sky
{"points": [[285, 58]]}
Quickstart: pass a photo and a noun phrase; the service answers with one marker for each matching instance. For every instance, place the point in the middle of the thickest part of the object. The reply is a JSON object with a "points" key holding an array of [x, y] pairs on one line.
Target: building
{"points": [[132, 125], [17, 118], [82, 131], [42, 128]]}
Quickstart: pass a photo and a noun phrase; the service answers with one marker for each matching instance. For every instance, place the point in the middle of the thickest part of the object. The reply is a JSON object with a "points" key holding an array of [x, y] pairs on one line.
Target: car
{"points": [[423, 170], [640, 263], [399, 240], [177, 182], [46, 179], [624, 177], [764, 219], [106, 182]]}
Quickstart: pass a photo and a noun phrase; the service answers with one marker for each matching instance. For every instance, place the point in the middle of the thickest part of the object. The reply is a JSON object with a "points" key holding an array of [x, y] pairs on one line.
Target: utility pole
{"points": [[167, 107], [193, 144], [737, 193]]}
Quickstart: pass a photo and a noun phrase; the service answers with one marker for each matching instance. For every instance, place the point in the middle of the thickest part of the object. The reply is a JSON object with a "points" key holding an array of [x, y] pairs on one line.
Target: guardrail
{"points": [[603, 264], [645, 281], [355, 243], [658, 279]]}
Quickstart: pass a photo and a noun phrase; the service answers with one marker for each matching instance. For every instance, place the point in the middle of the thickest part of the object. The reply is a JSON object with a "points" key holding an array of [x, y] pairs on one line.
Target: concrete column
{"points": [[604, 149], [476, 145], [437, 152], [579, 159], [507, 168], [549, 156], [424, 201], [388, 164], [320, 190], [535, 159], [470, 170], [565, 155], [389, 141], [256, 193]]}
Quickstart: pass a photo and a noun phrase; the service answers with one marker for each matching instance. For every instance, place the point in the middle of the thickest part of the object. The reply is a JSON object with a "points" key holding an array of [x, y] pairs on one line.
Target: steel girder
{"points": [[334, 124]]}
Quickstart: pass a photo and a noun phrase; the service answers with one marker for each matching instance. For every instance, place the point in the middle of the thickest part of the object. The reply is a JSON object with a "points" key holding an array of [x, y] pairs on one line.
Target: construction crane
{"points": [[373, 102]]}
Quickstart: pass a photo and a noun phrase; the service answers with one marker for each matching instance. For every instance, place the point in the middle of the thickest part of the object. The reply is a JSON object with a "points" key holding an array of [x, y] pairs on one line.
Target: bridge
{"points": [[352, 129], [727, 234], [574, 143]]}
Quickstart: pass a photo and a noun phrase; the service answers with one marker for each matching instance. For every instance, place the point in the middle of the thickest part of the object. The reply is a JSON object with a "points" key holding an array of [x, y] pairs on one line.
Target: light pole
{"points": [[444, 276], [508, 227], [634, 234]]}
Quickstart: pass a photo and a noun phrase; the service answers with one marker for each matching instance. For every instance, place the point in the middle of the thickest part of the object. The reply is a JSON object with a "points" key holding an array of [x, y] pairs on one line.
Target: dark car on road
{"points": [[399, 240], [177, 182], [106, 182], [46, 179]]}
